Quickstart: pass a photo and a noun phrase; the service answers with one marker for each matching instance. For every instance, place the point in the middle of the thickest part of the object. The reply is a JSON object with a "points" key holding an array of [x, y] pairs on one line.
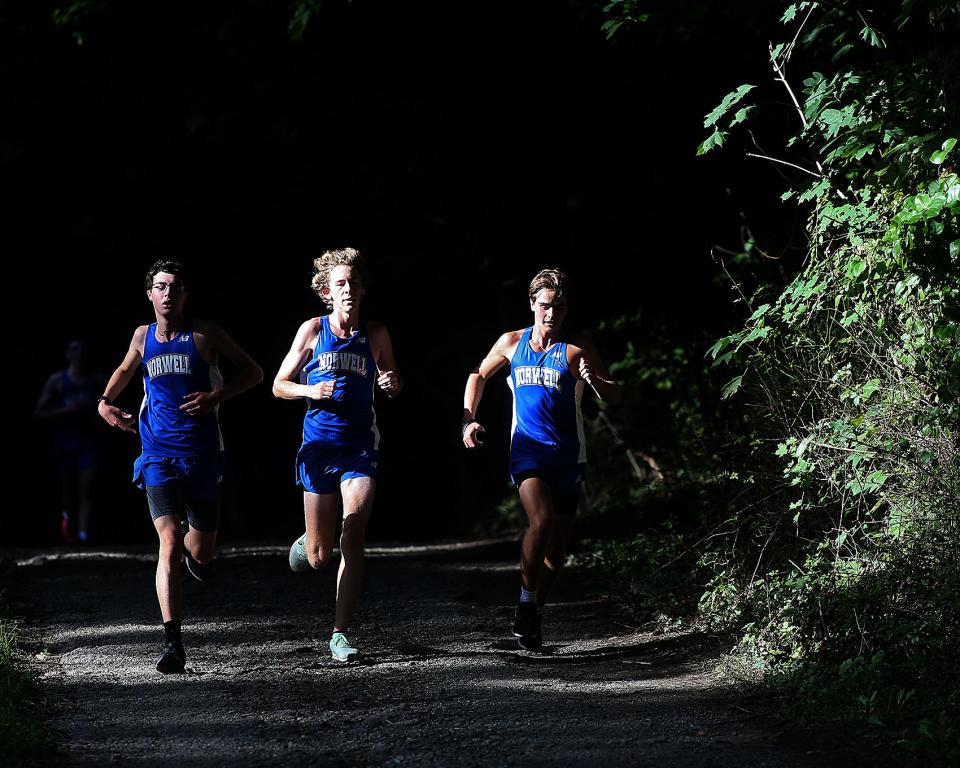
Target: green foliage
{"points": [[855, 364], [716, 138], [833, 557], [303, 11], [659, 479], [70, 16], [621, 14], [22, 737]]}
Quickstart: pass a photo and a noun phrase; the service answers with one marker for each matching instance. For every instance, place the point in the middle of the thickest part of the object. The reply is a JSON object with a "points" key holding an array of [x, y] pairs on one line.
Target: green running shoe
{"points": [[298, 555], [340, 648]]}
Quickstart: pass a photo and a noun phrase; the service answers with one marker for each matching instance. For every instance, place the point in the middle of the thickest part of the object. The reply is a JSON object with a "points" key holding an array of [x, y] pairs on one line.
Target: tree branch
{"points": [[792, 165]]}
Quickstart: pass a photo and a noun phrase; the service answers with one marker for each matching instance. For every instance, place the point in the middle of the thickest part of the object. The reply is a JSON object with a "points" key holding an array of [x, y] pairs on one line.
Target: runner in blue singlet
{"points": [[67, 404], [547, 451], [334, 363], [181, 462]]}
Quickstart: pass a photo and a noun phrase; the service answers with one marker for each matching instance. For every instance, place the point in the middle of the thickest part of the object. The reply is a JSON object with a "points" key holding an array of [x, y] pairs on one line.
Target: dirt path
{"points": [[441, 683]]}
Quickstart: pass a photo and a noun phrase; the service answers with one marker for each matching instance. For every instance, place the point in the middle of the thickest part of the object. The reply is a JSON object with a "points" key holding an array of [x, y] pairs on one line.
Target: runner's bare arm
{"points": [[212, 341], [497, 357], [285, 384], [585, 363], [388, 379], [118, 382]]}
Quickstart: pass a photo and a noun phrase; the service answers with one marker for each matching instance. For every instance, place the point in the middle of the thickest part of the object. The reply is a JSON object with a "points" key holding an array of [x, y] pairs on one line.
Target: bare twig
{"points": [[780, 71], [735, 283], [620, 443], [788, 52], [792, 165]]}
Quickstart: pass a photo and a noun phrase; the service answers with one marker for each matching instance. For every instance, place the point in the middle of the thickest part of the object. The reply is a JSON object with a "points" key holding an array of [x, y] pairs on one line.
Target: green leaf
{"points": [[740, 116], [869, 35], [955, 249], [945, 332], [732, 386], [855, 268], [728, 101], [940, 155], [840, 52], [869, 388], [815, 191], [611, 26], [718, 347], [757, 332], [714, 140]]}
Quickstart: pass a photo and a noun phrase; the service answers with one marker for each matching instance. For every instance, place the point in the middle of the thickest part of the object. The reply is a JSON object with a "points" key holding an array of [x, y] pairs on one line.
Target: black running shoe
{"points": [[173, 658], [526, 627], [199, 571]]}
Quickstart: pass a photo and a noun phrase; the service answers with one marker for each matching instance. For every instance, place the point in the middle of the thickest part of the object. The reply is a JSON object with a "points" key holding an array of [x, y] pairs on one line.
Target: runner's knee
{"points": [[353, 534], [554, 560], [542, 524], [170, 545]]}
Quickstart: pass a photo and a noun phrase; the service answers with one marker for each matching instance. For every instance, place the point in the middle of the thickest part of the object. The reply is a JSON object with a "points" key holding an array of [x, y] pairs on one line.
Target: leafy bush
{"points": [[837, 563]]}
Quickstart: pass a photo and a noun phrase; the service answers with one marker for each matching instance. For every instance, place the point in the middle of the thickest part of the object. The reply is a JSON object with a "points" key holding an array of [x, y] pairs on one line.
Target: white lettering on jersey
{"points": [[162, 365], [531, 375], [342, 361]]}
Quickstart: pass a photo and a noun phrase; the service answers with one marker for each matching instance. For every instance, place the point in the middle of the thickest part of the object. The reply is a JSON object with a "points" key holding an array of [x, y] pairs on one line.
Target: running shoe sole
{"points": [[298, 557]]}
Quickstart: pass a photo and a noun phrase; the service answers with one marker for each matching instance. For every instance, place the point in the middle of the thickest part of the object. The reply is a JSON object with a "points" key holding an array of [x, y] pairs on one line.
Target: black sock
{"points": [[171, 629]]}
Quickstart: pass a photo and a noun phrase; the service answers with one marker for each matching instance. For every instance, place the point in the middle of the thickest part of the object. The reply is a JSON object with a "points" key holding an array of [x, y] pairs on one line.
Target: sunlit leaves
{"points": [[731, 387], [855, 268], [728, 101], [940, 155], [870, 35], [622, 15], [836, 120], [716, 138], [793, 9], [712, 141]]}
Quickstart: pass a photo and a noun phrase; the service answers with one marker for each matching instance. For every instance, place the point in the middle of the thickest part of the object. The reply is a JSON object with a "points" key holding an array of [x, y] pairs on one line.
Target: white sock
{"points": [[526, 596]]}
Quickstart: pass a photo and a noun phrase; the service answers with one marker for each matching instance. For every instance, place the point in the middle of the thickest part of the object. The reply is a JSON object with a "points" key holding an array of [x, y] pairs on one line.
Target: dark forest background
{"points": [[784, 472], [461, 153]]}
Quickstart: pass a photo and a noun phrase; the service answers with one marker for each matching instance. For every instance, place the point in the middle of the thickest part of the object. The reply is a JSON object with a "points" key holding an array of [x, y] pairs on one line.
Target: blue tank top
{"points": [[172, 370], [80, 426], [348, 419], [547, 424]]}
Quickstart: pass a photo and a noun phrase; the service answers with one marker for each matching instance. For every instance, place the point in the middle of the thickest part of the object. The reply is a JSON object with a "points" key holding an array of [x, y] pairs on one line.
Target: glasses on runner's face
{"points": [[172, 287]]}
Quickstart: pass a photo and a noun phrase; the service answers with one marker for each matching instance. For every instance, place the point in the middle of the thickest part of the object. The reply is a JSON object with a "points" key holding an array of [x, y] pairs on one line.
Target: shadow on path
{"points": [[441, 682]]}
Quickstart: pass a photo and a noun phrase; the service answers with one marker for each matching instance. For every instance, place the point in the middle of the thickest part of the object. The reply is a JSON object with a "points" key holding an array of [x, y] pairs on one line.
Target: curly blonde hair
{"points": [[552, 280], [328, 260]]}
